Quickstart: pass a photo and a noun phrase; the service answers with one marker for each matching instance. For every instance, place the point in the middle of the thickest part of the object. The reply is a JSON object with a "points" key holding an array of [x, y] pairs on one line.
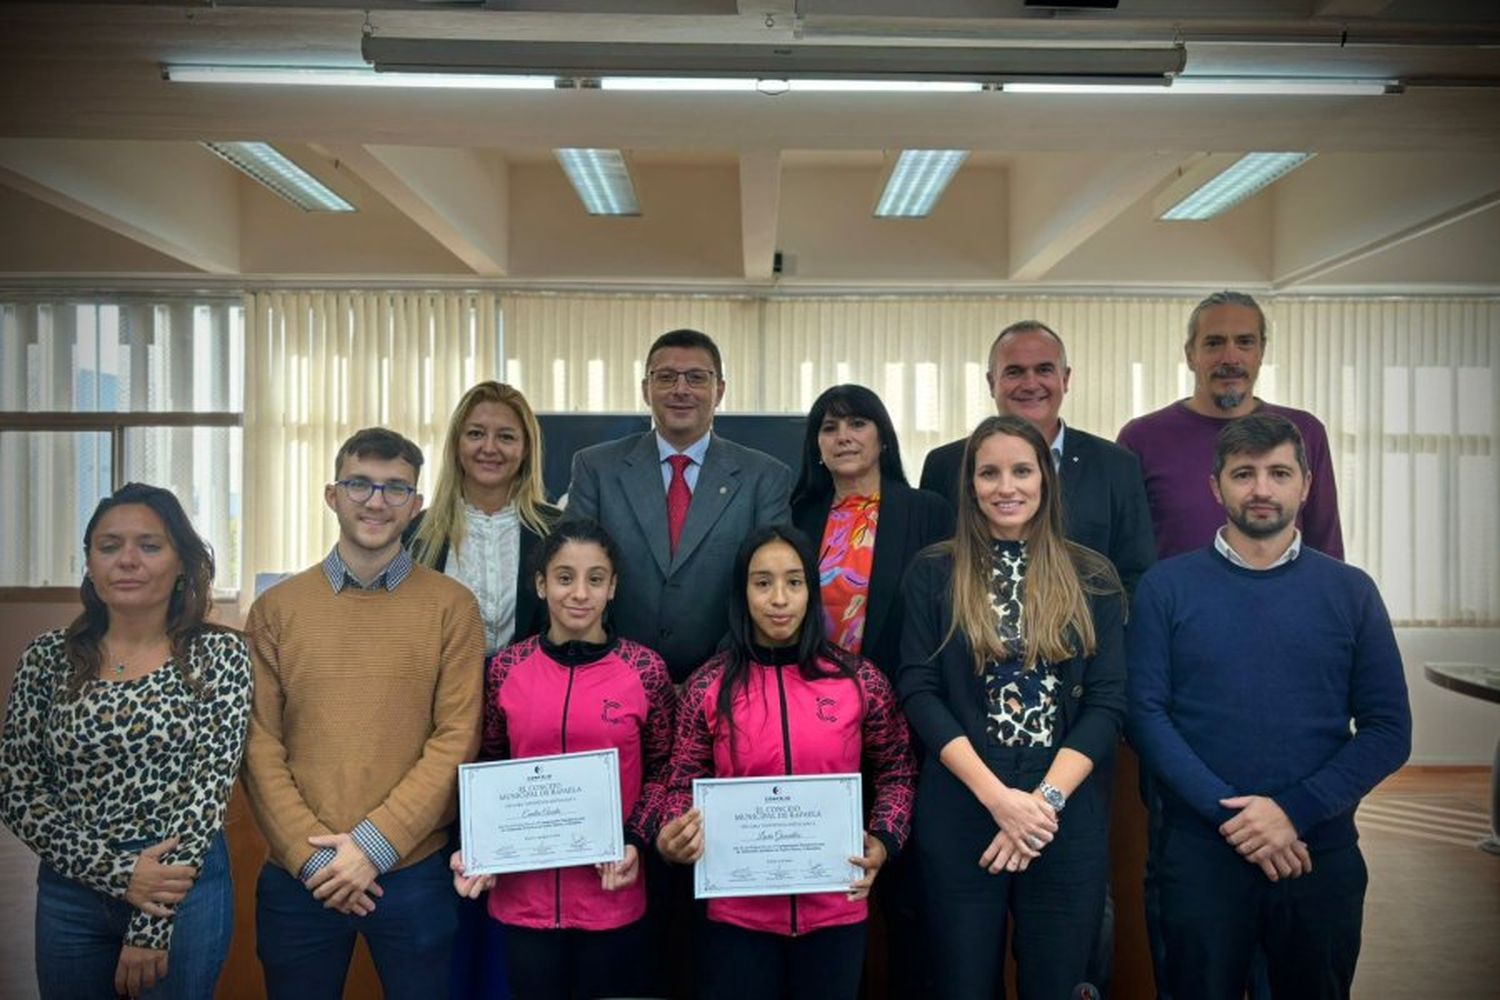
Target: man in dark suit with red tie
{"points": [[678, 500]]}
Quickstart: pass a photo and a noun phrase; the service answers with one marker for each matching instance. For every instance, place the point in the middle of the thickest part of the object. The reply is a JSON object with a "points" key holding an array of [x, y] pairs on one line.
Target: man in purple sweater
{"points": [[1225, 346], [1266, 699]]}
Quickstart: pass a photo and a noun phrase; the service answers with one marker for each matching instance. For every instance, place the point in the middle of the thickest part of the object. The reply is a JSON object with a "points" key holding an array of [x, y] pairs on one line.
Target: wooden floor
{"points": [[1432, 915]]}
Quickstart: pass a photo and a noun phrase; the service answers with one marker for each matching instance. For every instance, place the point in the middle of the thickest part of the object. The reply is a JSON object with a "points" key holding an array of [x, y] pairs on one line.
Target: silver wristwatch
{"points": [[1053, 796]]}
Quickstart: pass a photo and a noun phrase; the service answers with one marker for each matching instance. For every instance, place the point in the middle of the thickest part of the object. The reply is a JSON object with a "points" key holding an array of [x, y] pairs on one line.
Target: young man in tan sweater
{"points": [[368, 690]]}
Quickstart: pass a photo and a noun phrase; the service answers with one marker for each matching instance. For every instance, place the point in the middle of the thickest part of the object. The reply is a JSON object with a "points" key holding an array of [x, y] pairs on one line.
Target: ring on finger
{"points": [[1034, 842]]}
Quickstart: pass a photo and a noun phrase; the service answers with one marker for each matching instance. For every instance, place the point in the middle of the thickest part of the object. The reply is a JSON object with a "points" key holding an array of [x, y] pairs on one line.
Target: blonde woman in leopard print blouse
{"points": [[121, 744]]}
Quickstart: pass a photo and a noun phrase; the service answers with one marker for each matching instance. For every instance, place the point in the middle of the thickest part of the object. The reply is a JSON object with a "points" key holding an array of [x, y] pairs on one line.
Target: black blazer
{"points": [[531, 611], [944, 698], [910, 520], [1104, 498]]}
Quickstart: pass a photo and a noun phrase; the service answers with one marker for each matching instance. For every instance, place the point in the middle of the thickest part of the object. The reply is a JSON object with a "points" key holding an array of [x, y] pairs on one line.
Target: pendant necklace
{"points": [[122, 663]]}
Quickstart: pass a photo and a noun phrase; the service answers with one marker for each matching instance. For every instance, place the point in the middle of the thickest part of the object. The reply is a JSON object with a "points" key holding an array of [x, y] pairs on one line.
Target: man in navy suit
{"points": [[678, 500], [1104, 498]]}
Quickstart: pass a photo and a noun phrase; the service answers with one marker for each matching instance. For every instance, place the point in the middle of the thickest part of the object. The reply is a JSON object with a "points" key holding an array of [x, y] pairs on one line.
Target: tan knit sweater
{"points": [[366, 702]]}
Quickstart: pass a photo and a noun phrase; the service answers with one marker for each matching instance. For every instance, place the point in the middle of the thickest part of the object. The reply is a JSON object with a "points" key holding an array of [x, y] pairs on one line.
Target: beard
{"points": [[1228, 401], [1263, 528]]}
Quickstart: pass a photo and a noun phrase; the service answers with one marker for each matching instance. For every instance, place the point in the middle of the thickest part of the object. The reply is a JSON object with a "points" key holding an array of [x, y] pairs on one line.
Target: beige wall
{"points": [[1032, 219], [277, 237], [1136, 247], [41, 239], [689, 226], [827, 230]]}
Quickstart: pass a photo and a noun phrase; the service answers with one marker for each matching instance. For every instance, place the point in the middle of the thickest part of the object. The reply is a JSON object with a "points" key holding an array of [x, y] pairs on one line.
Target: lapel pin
{"points": [[723, 490]]}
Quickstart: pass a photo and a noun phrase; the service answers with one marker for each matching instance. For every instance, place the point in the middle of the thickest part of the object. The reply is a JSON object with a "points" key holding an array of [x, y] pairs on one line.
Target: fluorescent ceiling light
{"points": [[917, 182], [1239, 181], [282, 176], [773, 85], [312, 76], [1282, 87], [680, 84], [761, 60], [601, 179], [1082, 87], [885, 86], [1214, 85]]}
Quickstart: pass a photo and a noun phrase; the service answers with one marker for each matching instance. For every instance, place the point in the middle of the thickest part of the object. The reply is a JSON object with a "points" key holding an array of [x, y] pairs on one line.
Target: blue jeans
{"points": [[304, 947], [79, 934]]}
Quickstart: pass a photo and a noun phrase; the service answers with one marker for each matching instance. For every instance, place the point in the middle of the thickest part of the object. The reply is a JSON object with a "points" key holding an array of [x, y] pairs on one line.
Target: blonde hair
{"points": [[1056, 622], [443, 524]]}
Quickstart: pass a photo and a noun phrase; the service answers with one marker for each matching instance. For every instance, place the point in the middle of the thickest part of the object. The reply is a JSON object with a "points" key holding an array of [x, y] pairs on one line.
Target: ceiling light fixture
{"points": [[1288, 87], [917, 182], [1082, 87], [1225, 85], [351, 76], [748, 85], [1241, 179], [885, 86], [680, 84], [601, 179], [279, 174], [918, 63]]}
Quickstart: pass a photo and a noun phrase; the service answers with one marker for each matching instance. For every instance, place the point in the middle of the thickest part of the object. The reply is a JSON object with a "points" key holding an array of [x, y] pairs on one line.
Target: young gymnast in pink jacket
{"points": [[781, 699], [578, 932]]}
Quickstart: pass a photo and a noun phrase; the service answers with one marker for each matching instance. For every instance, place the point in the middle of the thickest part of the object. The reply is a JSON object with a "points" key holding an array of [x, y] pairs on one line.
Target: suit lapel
{"points": [[1070, 471], [890, 542], [718, 482], [640, 479]]}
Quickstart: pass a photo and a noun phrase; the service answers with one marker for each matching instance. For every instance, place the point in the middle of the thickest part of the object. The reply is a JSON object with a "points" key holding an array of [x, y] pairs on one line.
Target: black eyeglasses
{"points": [[361, 490], [666, 378]]}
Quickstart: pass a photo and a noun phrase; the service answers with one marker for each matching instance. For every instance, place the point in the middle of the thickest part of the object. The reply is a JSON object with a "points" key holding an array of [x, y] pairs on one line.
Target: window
{"points": [[95, 394]]}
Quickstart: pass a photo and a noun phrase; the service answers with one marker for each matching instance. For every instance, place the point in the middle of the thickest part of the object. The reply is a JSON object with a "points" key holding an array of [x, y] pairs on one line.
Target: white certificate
{"points": [[537, 813], [778, 836]]}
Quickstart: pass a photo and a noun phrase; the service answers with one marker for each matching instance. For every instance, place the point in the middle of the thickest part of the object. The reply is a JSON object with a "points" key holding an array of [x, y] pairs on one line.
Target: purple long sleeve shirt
{"points": [[1176, 449]]}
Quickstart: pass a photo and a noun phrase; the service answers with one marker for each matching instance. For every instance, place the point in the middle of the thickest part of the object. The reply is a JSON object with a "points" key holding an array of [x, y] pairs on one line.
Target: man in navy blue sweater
{"points": [[1249, 660]]}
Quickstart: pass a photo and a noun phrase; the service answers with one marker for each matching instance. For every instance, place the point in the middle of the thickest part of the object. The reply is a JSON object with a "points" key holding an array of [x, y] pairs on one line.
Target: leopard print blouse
{"points": [[143, 759], [1021, 704]]}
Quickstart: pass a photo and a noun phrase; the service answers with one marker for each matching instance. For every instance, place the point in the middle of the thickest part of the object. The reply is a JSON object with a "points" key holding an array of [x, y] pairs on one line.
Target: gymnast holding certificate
{"points": [[781, 704], [591, 715]]}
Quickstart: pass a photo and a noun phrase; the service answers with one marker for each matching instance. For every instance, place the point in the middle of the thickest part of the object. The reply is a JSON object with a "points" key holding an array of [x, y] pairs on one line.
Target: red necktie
{"points": [[678, 498]]}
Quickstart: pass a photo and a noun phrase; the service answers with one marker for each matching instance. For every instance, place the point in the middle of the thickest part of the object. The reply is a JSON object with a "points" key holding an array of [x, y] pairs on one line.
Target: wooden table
{"points": [[1477, 680]]}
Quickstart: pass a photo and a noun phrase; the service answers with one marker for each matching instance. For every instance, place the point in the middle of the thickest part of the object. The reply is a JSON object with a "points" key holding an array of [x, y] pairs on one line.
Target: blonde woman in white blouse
{"points": [[489, 512], [122, 740], [488, 515]]}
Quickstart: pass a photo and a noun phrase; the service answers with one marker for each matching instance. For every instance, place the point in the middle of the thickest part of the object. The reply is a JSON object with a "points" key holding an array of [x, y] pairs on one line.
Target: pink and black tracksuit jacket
{"points": [[787, 724], [543, 699]]}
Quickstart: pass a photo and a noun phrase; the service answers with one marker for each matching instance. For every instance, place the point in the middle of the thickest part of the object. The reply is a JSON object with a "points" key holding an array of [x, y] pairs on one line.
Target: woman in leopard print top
{"points": [[121, 744], [1013, 676]]}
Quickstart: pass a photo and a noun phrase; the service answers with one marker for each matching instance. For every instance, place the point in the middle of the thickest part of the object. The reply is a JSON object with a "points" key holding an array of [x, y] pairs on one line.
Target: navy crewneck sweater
{"points": [[1244, 682]]}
